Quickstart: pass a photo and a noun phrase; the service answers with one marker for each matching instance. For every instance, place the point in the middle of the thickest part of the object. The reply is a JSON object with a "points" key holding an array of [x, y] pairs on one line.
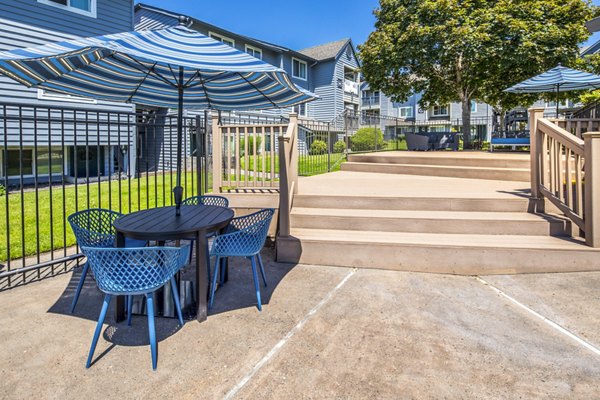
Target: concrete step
{"points": [[441, 203], [502, 174], [465, 254], [492, 223], [445, 158]]}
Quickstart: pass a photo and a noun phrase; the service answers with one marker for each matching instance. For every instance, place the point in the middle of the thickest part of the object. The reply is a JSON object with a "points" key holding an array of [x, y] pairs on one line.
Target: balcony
{"points": [[370, 101], [351, 87]]}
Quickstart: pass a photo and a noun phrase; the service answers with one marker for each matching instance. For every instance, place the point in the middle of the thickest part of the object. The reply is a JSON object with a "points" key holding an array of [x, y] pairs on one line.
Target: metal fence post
{"points": [[217, 150], [329, 149]]}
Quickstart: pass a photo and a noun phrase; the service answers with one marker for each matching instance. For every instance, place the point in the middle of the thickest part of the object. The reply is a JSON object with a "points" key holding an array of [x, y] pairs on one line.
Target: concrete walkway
{"points": [[324, 332]]}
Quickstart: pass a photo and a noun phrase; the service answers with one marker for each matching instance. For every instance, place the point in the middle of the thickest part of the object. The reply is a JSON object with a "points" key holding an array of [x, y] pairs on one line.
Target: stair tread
{"points": [[458, 167], [443, 239], [420, 214]]}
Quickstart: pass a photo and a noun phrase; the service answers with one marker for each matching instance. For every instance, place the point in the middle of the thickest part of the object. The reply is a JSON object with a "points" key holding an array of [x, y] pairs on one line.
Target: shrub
{"points": [[2, 190], [317, 147], [339, 146], [367, 139], [251, 149]]}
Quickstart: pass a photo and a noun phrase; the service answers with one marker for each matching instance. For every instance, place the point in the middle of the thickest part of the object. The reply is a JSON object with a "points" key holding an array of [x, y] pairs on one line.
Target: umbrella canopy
{"points": [[557, 79], [149, 67], [173, 67]]}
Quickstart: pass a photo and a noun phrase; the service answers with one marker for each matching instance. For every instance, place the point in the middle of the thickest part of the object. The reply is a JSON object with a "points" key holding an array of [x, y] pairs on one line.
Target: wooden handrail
{"points": [[565, 171]]}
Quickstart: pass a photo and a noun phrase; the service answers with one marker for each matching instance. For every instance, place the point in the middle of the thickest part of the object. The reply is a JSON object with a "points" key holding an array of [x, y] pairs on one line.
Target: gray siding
{"points": [[112, 16]]}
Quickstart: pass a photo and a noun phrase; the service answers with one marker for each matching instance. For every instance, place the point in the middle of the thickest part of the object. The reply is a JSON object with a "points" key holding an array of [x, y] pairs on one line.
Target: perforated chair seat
{"points": [[245, 236], [94, 228], [135, 271]]}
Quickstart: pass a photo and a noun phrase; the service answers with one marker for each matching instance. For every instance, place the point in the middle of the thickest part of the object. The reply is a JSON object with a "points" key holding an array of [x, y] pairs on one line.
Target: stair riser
{"points": [[410, 203], [451, 172], [449, 161], [464, 226], [436, 259]]}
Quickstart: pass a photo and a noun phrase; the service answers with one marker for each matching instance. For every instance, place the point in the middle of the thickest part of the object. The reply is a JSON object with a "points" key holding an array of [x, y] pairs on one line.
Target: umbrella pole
{"points": [[557, 93], [178, 190]]}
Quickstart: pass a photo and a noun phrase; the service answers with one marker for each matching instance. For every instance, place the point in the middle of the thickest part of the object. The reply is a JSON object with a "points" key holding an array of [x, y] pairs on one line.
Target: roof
{"points": [[326, 51], [250, 40], [593, 25]]}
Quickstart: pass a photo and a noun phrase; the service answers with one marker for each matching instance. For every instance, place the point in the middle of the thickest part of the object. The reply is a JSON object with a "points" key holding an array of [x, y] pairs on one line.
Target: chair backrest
{"points": [[135, 270], [94, 227], [245, 235], [206, 201]]}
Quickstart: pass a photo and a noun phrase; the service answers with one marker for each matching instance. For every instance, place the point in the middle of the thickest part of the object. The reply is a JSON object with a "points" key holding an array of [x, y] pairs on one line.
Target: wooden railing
{"points": [[578, 126], [565, 170], [245, 156], [288, 173]]}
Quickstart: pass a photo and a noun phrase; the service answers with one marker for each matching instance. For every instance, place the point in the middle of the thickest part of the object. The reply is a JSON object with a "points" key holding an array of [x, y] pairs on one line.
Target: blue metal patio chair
{"points": [[206, 200], [135, 271], [244, 237], [94, 228]]}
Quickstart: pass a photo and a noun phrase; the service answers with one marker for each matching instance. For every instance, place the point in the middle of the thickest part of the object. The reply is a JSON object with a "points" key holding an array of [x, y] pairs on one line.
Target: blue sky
{"points": [[294, 24]]}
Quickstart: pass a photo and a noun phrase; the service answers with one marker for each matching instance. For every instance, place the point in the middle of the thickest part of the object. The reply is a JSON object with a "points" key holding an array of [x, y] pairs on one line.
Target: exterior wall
{"points": [[26, 23]]}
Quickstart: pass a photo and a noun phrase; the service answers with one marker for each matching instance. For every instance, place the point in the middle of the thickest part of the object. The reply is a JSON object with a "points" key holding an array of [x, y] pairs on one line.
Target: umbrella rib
{"points": [[203, 85], [174, 77], [141, 82], [258, 90], [191, 79], [207, 80], [143, 69]]}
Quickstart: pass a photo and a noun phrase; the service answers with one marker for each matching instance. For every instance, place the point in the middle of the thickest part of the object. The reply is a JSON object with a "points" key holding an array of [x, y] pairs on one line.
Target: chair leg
{"points": [[176, 298], [207, 251], [84, 271], [256, 286], [223, 270], [129, 309], [262, 270], [151, 329], [107, 298], [213, 286]]}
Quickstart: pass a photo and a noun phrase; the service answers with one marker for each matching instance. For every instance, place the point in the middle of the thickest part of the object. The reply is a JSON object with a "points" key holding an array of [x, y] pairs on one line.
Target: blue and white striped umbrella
{"points": [[559, 78], [150, 67], [173, 67]]}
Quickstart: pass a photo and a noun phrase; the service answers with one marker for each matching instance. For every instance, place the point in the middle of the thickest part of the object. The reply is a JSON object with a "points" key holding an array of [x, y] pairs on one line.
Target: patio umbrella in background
{"points": [[557, 79], [174, 67]]}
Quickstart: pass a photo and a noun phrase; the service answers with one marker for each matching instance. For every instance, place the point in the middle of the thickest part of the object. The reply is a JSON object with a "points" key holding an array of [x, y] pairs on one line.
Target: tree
{"points": [[464, 50]]}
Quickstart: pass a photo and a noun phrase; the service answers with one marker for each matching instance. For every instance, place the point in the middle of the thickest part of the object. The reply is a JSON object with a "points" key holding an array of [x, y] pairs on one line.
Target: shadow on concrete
{"points": [[524, 193]]}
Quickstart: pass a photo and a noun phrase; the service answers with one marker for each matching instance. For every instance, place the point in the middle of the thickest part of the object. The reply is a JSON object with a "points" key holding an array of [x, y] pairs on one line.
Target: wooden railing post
{"points": [[592, 188], [536, 203], [294, 151], [217, 153]]}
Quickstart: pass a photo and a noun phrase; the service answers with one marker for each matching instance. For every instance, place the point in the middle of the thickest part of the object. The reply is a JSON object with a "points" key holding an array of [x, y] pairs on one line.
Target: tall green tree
{"points": [[464, 50]]}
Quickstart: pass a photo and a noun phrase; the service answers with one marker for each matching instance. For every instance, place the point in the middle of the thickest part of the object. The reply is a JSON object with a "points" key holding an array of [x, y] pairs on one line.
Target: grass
{"points": [[40, 230], [307, 164]]}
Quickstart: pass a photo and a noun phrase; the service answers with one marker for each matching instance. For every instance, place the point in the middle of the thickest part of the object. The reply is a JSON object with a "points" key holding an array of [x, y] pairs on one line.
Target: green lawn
{"points": [[142, 193], [307, 164]]}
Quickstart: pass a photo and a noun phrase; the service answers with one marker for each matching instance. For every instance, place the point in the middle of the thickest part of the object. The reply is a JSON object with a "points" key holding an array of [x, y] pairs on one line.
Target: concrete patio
{"points": [[325, 332]]}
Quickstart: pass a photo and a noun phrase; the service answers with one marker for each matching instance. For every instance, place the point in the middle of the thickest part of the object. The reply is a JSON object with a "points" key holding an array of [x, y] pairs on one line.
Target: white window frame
{"points": [[411, 113], [54, 96], [473, 106], [299, 108], [305, 69], [91, 13], [221, 38], [254, 51], [434, 114]]}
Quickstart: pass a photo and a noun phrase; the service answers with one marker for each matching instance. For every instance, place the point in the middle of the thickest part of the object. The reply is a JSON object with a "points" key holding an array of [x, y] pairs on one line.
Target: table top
{"points": [[162, 223]]}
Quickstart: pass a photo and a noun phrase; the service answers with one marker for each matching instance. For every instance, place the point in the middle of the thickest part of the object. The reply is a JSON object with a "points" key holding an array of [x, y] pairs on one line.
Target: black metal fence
{"points": [[56, 161]]}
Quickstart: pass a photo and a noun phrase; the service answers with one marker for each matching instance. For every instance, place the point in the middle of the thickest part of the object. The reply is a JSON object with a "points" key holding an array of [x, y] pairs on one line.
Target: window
{"points": [[300, 109], [85, 7], [406, 112], [223, 39], [473, 106], [254, 52], [47, 161], [44, 94], [440, 111], [298, 69]]}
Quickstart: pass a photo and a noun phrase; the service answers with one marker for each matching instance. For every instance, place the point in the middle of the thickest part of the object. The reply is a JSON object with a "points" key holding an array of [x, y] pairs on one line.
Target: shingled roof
{"points": [[325, 51]]}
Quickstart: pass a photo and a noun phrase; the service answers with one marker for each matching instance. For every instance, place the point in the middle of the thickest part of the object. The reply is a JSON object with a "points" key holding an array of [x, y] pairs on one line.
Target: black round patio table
{"points": [[162, 224]]}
